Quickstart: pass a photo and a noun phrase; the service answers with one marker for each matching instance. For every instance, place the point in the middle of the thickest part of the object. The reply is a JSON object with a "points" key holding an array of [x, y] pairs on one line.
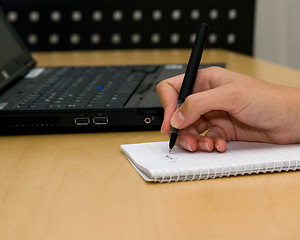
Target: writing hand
{"points": [[230, 106]]}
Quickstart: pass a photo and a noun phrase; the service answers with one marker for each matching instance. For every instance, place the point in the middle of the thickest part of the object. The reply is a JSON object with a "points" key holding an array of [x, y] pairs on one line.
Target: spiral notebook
{"points": [[155, 164]]}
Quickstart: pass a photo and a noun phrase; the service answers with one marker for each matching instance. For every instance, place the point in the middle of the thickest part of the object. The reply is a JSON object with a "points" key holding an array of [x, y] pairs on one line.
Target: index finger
{"points": [[168, 91]]}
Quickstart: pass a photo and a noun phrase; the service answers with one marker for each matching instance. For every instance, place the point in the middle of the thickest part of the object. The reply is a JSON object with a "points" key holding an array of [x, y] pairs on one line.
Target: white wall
{"points": [[277, 32]]}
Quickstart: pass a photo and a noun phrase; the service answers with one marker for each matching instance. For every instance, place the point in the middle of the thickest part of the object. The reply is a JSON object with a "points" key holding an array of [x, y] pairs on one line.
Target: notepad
{"points": [[155, 164]]}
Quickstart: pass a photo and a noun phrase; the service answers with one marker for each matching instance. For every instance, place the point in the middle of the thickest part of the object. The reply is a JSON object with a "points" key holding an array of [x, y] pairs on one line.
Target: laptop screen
{"points": [[9, 48], [15, 59]]}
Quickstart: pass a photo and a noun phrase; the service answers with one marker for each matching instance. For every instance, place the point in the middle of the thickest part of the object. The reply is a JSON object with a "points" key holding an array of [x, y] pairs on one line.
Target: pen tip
{"points": [[170, 150]]}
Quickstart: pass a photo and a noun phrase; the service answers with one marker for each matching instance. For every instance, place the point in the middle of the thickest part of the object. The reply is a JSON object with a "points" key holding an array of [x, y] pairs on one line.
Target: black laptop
{"points": [[75, 99]]}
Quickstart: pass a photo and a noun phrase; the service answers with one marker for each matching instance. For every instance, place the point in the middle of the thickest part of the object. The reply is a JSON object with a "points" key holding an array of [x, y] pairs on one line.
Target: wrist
{"points": [[292, 103]]}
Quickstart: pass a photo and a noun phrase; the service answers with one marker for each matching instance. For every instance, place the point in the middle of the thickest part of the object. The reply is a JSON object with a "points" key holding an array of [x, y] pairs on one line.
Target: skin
{"points": [[230, 106]]}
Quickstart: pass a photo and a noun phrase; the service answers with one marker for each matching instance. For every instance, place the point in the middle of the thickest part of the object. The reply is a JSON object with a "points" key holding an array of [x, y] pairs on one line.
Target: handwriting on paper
{"points": [[170, 158]]}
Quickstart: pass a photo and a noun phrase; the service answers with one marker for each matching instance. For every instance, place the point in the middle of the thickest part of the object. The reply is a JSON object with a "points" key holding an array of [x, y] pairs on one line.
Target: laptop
{"points": [[75, 99]]}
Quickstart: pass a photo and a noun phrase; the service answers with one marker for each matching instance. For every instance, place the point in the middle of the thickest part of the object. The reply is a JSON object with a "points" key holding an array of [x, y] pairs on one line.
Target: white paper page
{"points": [[154, 158]]}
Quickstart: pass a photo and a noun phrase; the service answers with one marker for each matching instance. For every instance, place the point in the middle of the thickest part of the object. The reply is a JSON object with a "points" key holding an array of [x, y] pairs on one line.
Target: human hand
{"points": [[230, 106]]}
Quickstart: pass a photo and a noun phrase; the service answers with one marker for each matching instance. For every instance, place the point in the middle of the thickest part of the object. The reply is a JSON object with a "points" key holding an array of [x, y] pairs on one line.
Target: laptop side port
{"points": [[81, 121], [100, 120], [147, 120]]}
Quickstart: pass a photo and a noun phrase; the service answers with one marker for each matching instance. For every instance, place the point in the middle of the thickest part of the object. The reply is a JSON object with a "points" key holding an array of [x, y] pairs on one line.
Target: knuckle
{"points": [[190, 102], [159, 85]]}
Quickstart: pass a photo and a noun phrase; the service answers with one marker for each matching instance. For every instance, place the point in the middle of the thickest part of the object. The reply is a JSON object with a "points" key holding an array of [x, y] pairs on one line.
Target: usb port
{"points": [[100, 120], [80, 121]]}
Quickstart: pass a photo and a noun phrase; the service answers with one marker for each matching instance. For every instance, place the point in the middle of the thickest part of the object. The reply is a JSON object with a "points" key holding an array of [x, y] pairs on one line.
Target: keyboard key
{"points": [[93, 87]]}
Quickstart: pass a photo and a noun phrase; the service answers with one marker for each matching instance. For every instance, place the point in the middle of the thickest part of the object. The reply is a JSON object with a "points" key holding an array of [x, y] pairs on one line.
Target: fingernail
{"points": [[207, 147], [186, 146], [161, 130], [177, 120], [204, 146]]}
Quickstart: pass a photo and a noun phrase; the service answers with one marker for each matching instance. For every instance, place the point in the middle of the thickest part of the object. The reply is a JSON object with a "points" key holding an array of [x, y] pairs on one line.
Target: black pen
{"points": [[190, 74]]}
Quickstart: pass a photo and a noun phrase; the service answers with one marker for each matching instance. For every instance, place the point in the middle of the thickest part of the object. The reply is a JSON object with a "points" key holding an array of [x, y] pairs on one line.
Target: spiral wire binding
{"points": [[176, 176], [296, 166]]}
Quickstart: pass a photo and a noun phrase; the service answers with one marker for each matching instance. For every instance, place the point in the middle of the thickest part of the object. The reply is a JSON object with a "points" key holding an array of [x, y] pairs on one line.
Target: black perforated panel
{"points": [[111, 24]]}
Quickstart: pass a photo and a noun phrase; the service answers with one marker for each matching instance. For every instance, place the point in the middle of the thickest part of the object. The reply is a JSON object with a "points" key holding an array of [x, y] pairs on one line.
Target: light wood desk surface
{"points": [[80, 186]]}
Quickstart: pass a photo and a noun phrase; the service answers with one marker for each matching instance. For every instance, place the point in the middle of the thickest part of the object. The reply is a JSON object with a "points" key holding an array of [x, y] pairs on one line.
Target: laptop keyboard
{"points": [[90, 87]]}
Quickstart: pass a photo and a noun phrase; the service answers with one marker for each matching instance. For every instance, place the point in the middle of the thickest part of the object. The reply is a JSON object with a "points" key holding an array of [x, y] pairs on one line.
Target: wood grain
{"points": [[80, 186]]}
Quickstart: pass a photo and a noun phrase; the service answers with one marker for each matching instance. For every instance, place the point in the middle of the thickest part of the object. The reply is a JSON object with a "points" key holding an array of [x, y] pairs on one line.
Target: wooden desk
{"points": [[80, 186]]}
